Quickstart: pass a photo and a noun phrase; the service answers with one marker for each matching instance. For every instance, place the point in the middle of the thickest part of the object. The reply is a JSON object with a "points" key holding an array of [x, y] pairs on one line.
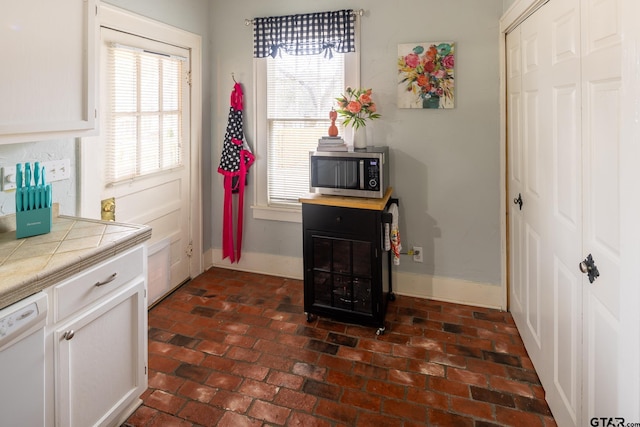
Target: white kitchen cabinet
{"points": [[47, 78], [99, 342]]}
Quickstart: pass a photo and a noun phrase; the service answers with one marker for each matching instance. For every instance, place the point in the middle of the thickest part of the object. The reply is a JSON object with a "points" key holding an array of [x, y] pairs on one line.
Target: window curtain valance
{"points": [[307, 34]]}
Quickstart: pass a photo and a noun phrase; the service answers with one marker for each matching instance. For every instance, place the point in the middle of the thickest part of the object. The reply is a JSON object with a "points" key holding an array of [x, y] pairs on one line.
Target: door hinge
{"points": [[189, 77], [189, 250]]}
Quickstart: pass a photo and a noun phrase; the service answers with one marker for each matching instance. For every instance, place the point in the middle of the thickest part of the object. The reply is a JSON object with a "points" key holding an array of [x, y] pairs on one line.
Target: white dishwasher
{"points": [[22, 362]]}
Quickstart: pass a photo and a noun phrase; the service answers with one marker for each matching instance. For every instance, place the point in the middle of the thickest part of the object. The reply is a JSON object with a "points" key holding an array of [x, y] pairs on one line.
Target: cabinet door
{"points": [[47, 82], [341, 273], [100, 360]]}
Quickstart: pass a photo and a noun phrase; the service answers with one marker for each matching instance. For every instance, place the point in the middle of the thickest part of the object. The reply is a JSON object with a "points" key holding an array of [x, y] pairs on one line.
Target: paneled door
{"points": [[562, 95], [601, 139], [142, 158]]}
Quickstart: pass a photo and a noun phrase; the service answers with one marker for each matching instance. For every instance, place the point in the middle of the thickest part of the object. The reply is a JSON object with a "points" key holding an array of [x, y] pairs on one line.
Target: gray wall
{"points": [[507, 4], [445, 164]]}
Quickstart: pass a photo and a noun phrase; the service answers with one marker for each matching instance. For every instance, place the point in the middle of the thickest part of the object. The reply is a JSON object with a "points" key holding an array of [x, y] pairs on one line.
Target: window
{"points": [[144, 134], [294, 97], [300, 93]]}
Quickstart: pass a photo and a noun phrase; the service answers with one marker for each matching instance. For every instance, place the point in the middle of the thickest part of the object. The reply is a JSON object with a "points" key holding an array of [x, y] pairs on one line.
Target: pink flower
{"points": [[365, 98], [439, 73], [429, 66], [412, 60], [354, 107], [448, 61]]}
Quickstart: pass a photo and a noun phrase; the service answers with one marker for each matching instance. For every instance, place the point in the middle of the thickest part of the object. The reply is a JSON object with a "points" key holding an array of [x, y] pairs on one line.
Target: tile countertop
{"points": [[32, 264]]}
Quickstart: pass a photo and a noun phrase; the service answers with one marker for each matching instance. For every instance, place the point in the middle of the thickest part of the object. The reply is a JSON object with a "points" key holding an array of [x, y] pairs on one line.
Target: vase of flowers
{"points": [[356, 107]]}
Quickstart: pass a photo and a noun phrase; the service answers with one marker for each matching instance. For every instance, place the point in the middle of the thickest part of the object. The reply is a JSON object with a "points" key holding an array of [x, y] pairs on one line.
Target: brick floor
{"points": [[235, 349]]}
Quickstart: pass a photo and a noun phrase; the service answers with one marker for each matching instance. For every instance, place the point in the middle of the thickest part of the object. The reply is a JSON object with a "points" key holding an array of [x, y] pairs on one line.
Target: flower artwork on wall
{"points": [[425, 75]]}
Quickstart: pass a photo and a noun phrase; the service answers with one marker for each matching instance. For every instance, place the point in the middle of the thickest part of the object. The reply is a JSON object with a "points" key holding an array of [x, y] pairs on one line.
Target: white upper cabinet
{"points": [[47, 77]]}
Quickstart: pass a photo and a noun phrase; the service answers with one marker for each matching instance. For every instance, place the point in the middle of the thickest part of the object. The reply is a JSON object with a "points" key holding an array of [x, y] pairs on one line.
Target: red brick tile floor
{"points": [[235, 349]]}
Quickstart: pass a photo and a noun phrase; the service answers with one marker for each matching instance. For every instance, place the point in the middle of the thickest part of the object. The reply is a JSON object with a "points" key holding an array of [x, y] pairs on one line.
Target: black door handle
{"points": [[589, 267], [518, 200]]}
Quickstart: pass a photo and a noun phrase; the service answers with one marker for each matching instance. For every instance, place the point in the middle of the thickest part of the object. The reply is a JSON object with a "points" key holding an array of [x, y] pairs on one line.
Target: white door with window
{"points": [[563, 92], [142, 157]]}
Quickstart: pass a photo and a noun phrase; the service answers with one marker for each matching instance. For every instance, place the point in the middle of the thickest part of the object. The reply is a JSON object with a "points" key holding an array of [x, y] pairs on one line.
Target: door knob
{"points": [[518, 201], [588, 266]]}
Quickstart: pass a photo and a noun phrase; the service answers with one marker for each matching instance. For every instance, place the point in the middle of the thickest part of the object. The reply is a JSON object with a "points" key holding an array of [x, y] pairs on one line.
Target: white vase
{"points": [[359, 138]]}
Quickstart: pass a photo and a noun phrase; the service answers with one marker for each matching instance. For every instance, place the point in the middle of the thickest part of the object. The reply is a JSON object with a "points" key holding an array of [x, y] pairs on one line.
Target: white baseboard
{"points": [[410, 284], [255, 262], [449, 289]]}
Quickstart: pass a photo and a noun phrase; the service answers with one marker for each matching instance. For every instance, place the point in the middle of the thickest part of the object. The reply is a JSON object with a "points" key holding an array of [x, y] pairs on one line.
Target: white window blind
{"points": [[145, 125], [301, 91]]}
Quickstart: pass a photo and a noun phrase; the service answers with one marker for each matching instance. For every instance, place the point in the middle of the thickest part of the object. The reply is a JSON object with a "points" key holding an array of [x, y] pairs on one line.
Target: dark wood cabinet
{"points": [[347, 273]]}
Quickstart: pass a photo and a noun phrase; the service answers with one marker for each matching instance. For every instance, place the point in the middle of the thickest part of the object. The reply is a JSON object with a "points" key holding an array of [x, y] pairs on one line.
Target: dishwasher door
{"points": [[22, 363]]}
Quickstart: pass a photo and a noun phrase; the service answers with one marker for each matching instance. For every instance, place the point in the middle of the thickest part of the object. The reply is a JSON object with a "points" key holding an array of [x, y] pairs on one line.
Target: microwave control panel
{"points": [[374, 174]]}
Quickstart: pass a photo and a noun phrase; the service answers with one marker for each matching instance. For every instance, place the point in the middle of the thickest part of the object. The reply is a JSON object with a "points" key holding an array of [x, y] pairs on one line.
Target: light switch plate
{"points": [[55, 170]]}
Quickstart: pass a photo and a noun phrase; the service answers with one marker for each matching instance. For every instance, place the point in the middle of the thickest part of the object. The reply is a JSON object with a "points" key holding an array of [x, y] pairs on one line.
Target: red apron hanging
{"points": [[234, 164]]}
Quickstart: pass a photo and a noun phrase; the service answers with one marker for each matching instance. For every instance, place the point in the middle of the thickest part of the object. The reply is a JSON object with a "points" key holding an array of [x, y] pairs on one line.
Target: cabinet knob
{"points": [[69, 334], [338, 219]]}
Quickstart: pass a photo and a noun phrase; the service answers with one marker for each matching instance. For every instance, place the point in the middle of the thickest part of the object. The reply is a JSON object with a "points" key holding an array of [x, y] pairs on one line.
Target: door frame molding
{"points": [[123, 20]]}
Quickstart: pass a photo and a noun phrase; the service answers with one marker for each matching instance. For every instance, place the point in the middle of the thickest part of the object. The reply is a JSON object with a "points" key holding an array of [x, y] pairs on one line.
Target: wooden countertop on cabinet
{"points": [[348, 202]]}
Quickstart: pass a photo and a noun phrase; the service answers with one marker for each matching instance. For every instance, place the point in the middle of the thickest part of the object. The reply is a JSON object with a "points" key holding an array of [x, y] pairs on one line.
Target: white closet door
{"points": [[563, 375], [601, 121], [546, 235], [585, 345]]}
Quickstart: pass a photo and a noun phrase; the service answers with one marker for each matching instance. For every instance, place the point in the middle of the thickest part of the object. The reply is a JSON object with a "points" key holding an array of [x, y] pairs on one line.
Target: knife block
{"points": [[33, 222]]}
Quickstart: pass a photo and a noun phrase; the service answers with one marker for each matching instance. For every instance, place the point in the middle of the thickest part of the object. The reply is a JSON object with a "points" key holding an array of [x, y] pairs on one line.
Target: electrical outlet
{"points": [[417, 253], [57, 170]]}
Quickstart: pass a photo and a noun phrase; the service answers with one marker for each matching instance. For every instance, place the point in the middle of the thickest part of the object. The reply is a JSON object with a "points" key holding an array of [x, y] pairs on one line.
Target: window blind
{"points": [[301, 91], [145, 112]]}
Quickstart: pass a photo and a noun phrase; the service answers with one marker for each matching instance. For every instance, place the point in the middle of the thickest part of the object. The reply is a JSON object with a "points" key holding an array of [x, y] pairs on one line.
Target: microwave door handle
{"points": [[361, 174]]}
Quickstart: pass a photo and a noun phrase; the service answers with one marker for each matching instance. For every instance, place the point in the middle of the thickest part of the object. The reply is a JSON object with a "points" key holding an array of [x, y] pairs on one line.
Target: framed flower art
{"points": [[425, 75]]}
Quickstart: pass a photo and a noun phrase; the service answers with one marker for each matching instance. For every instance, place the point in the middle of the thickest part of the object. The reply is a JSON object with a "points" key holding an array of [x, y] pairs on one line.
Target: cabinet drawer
{"points": [[339, 220], [90, 285]]}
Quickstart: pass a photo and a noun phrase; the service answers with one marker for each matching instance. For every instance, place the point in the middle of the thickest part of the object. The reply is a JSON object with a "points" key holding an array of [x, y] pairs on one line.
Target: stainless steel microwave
{"points": [[362, 173]]}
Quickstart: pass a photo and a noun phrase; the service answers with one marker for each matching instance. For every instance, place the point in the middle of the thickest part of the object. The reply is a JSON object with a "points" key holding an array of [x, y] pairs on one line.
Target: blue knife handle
{"points": [[19, 200], [36, 174], [32, 198], [37, 197], [27, 175], [19, 175], [25, 199]]}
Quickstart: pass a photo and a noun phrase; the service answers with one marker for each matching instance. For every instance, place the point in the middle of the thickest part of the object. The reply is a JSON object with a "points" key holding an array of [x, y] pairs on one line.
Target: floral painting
{"points": [[425, 75]]}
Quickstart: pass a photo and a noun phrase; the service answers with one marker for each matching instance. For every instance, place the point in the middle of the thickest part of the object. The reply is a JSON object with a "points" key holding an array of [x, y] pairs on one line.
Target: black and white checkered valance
{"points": [[307, 34]]}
